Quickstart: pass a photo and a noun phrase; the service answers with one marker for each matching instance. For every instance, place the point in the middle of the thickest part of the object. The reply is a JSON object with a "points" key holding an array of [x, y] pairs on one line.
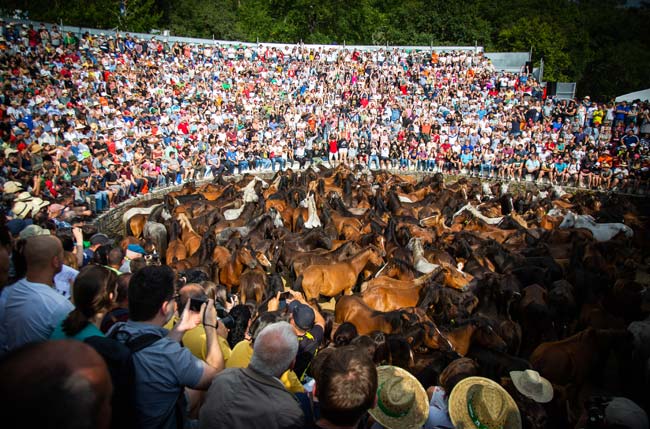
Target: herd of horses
{"points": [[511, 278]]}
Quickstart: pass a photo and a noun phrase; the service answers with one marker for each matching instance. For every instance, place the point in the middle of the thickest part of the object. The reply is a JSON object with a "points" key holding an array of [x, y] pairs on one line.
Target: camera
{"points": [[596, 406], [228, 321], [196, 303], [152, 259]]}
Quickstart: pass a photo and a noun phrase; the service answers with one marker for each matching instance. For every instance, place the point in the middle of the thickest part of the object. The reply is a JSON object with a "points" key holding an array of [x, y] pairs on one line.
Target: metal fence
{"points": [[169, 39], [565, 90], [512, 62]]}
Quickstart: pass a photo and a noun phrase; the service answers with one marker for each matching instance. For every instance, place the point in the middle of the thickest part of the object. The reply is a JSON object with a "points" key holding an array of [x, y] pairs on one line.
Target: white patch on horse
{"points": [[232, 214], [419, 261], [470, 208], [403, 199], [485, 186], [504, 189], [250, 196], [600, 231], [313, 221]]}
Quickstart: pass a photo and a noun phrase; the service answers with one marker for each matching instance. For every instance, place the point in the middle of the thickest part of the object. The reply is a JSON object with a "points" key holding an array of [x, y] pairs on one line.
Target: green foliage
{"points": [[600, 44]]}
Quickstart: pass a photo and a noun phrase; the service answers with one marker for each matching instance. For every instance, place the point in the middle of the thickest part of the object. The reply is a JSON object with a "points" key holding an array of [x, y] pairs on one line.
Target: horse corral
{"points": [[511, 278]]}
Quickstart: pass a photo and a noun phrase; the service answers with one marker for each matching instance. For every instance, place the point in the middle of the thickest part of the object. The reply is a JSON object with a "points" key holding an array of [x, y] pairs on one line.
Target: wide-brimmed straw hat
{"points": [[21, 209], [33, 231], [23, 197], [532, 385], [38, 204], [402, 402], [12, 187], [480, 402]]}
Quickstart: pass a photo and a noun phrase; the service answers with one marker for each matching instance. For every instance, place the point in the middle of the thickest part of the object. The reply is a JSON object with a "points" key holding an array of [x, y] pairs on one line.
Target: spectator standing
{"points": [[93, 293], [239, 397], [165, 368], [31, 308]]}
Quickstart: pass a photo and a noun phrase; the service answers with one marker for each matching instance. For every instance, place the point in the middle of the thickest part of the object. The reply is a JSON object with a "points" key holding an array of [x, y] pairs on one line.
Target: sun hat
{"points": [[38, 204], [36, 148], [402, 402], [530, 384], [24, 197], [12, 187], [10, 151], [55, 210], [481, 402], [21, 209], [626, 413], [33, 231], [101, 239]]}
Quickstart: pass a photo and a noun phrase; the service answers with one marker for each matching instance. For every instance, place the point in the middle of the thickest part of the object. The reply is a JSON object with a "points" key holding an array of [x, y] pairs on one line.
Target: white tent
{"points": [[638, 95]]}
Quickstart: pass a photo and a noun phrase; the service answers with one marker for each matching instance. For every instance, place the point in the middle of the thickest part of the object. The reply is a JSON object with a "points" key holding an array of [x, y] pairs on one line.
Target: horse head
{"points": [[245, 256], [486, 336], [569, 220]]}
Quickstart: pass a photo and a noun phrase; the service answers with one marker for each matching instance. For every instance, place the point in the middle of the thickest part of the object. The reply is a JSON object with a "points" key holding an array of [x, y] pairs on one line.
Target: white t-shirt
{"points": [[65, 279]]}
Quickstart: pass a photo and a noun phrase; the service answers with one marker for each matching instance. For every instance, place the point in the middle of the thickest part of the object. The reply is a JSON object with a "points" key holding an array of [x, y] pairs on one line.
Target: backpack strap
{"points": [[141, 342]]}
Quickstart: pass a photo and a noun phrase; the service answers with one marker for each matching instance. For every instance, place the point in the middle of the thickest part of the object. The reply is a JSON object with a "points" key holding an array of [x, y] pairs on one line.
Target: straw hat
{"points": [[402, 402], [33, 231], [530, 384], [21, 209], [24, 197], [36, 148], [480, 402], [12, 187], [38, 204]]}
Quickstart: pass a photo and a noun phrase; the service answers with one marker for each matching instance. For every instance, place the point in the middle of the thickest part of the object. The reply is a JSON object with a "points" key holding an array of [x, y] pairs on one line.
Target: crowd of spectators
{"points": [[87, 122], [96, 119]]}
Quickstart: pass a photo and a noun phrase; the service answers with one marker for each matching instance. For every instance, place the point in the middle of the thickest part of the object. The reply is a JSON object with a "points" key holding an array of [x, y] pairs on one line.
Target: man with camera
{"points": [[195, 339], [166, 372]]}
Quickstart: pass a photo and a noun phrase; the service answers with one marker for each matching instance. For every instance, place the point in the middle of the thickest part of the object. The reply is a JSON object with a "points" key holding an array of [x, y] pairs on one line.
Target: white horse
{"points": [[600, 231], [313, 221], [419, 261], [232, 214], [473, 210]]}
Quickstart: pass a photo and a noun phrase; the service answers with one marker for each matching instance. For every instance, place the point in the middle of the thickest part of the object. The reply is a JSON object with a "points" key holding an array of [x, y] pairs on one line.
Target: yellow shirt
{"points": [[195, 341], [241, 355]]}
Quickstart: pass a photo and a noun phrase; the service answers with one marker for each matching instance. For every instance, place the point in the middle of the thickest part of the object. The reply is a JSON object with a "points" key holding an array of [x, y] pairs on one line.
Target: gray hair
{"points": [[276, 346]]}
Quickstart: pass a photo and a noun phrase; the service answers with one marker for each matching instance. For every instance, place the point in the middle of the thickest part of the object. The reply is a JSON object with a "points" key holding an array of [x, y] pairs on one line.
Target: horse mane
{"points": [[404, 266], [394, 318]]}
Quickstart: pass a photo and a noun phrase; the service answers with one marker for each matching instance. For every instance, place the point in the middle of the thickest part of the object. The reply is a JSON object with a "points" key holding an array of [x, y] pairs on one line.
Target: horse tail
{"points": [[297, 285], [127, 226]]}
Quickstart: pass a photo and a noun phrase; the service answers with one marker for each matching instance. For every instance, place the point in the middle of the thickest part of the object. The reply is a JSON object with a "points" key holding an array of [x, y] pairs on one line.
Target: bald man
{"points": [[70, 389], [195, 339], [31, 307]]}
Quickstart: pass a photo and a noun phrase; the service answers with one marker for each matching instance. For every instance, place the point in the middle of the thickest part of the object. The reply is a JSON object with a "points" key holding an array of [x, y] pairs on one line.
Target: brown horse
{"points": [[253, 281], [396, 284], [323, 257], [386, 298], [231, 265], [573, 359], [135, 225], [332, 279], [475, 331], [352, 309], [190, 238]]}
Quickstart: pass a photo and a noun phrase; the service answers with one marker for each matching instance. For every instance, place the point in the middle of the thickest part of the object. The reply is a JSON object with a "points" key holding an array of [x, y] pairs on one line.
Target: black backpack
{"points": [[119, 360]]}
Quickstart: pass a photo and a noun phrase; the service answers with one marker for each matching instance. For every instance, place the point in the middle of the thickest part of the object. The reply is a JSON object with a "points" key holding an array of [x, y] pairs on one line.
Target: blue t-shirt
{"points": [[162, 371]]}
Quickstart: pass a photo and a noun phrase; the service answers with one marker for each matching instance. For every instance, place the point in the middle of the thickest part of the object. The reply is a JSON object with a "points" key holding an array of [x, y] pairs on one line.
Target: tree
{"points": [[547, 40]]}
